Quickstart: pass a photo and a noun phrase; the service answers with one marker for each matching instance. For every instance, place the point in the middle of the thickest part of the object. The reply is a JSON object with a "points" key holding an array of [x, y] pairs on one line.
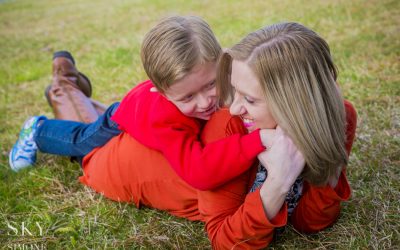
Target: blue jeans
{"points": [[76, 139]]}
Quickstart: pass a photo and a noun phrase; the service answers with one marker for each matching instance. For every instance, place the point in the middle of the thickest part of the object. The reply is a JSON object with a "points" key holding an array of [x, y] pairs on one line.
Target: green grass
{"points": [[105, 37]]}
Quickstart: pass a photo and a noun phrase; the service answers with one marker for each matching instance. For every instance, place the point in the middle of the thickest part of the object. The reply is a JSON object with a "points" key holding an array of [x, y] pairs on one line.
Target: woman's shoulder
{"points": [[221, 125]]}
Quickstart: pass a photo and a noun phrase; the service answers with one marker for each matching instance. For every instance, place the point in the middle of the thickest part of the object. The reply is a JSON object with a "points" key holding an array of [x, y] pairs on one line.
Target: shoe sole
{"points": [[9, 160], [64, 53]]}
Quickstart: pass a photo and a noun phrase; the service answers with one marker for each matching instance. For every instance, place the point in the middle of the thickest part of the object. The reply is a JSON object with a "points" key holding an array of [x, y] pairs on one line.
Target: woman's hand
{"points": [[284, 163]]}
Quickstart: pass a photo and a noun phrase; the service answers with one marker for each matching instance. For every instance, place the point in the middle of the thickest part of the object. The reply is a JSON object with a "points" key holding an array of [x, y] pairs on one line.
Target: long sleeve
{"points": [[319, 207], [235, 219], [156, 123], [206, 166]]}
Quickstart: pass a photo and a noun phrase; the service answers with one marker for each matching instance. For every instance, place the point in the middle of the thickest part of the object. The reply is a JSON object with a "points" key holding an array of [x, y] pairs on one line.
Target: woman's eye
{"points": [[249, 100], [211, 85]]}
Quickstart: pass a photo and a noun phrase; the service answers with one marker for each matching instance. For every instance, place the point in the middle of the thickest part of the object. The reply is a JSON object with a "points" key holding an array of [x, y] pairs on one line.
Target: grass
{"points": [[105, 37]]}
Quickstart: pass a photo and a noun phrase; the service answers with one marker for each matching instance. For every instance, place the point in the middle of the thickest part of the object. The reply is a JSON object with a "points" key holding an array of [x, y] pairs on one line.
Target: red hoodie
{"points": [[158, 124]]}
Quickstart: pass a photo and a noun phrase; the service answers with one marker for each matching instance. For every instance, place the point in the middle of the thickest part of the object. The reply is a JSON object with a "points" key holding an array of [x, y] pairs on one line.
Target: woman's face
{"points": [[249, 101]]}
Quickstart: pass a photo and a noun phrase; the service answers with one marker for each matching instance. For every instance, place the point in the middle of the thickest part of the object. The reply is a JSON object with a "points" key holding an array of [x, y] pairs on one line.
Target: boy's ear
{"points": [[153, 89]]}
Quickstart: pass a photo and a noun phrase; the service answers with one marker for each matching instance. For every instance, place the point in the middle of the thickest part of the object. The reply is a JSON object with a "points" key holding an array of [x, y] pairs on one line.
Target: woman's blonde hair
{"points": [[172, 48], [298, 78]]}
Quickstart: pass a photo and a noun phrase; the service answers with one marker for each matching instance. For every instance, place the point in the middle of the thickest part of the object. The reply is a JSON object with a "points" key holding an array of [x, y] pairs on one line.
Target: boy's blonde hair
{"points": [[298, 77], [175, 46]]}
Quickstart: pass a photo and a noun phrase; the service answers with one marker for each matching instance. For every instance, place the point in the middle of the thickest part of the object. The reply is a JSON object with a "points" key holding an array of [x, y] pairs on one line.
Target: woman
{"points": [[283, 74]]}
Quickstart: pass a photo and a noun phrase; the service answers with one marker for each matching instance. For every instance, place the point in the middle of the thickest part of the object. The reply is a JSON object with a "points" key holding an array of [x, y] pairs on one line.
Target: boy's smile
{"points": [[195, 94]]}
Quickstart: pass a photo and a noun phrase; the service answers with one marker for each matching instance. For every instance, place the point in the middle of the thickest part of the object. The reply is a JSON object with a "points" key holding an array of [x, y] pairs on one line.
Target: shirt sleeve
{"points": [[319, 207], [205, 166], [235, 219]]}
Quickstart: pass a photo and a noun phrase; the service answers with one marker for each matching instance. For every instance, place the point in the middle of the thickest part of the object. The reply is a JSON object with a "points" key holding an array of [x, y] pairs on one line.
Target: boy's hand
{"points": [[268, 136], [283, 161]]}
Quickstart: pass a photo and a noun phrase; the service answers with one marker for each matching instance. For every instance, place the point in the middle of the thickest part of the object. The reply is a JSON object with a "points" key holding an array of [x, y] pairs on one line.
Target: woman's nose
{"points": [[236, 107]]}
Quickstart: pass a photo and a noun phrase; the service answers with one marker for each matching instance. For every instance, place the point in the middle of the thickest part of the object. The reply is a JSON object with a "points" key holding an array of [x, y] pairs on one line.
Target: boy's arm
{"points": [[158, 124], [206, 167]]}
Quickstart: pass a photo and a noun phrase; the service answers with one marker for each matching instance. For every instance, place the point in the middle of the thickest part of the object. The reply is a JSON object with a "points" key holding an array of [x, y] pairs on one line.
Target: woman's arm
{"points": [[284, 163], [234, 218]]}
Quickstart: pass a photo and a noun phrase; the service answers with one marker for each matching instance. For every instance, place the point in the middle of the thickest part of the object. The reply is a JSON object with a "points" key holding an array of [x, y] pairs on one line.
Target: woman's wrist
{"points": [[273, 197]]}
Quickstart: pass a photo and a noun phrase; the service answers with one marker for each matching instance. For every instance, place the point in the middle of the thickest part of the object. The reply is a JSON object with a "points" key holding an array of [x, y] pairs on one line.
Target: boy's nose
{"points": [[204, 101]]}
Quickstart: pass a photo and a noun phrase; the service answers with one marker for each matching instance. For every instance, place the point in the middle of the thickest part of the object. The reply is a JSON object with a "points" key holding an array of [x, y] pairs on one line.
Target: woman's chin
{"points": [[251, 129]]}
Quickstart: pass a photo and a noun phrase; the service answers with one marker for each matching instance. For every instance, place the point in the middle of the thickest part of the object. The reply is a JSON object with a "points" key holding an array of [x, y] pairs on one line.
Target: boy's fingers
{"points": [[268, 137]]}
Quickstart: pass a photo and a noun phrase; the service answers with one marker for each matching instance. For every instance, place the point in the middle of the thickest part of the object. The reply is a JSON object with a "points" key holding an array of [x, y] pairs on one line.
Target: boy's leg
{"points": [[69, 93], [71, 138], [61, 137], [69, 102], [100, 107], [68, 96]]}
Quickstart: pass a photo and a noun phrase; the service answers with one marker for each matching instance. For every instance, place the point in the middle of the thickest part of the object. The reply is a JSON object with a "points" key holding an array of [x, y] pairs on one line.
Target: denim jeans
{"points": [[76, 139]]}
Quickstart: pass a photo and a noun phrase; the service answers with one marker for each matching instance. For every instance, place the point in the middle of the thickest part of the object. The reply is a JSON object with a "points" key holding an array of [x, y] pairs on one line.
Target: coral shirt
{"points": [[125, 170], [235, 219], [156, 123]]}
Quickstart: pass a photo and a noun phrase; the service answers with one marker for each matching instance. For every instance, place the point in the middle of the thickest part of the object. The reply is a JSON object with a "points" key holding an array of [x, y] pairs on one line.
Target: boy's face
{"points": [[195, 94]]}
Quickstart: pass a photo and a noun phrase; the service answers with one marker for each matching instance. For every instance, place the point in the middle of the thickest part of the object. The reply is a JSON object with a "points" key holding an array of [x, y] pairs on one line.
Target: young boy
{"points": [[179, 55]]}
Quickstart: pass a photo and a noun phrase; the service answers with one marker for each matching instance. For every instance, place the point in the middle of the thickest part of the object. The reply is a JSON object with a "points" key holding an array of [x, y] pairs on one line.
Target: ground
{"points": [[105, 38]]}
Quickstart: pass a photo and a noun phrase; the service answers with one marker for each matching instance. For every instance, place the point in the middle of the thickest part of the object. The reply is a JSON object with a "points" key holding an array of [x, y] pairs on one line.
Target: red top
{"points": [[158, 124]]}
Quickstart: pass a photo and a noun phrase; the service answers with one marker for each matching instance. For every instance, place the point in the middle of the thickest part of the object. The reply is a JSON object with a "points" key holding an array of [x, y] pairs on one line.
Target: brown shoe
{"points": [[64, 65], [69, 92], [69, 103]]}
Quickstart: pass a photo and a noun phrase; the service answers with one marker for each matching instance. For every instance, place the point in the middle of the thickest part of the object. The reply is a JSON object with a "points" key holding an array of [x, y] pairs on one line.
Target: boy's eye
{"points": [[249, 100], [211, 85], [187, 98]]}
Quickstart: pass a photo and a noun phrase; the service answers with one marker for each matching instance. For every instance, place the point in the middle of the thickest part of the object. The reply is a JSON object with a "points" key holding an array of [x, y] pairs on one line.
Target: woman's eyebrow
{"points": [[243, 92]]}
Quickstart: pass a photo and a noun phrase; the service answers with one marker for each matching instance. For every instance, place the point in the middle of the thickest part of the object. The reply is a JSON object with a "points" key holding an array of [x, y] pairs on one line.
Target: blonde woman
{"points": [[283, 76]]}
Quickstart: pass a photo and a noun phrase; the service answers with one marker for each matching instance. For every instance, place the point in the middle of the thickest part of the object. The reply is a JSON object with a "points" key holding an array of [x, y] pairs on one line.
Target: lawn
{"points": [[105, 38]]}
